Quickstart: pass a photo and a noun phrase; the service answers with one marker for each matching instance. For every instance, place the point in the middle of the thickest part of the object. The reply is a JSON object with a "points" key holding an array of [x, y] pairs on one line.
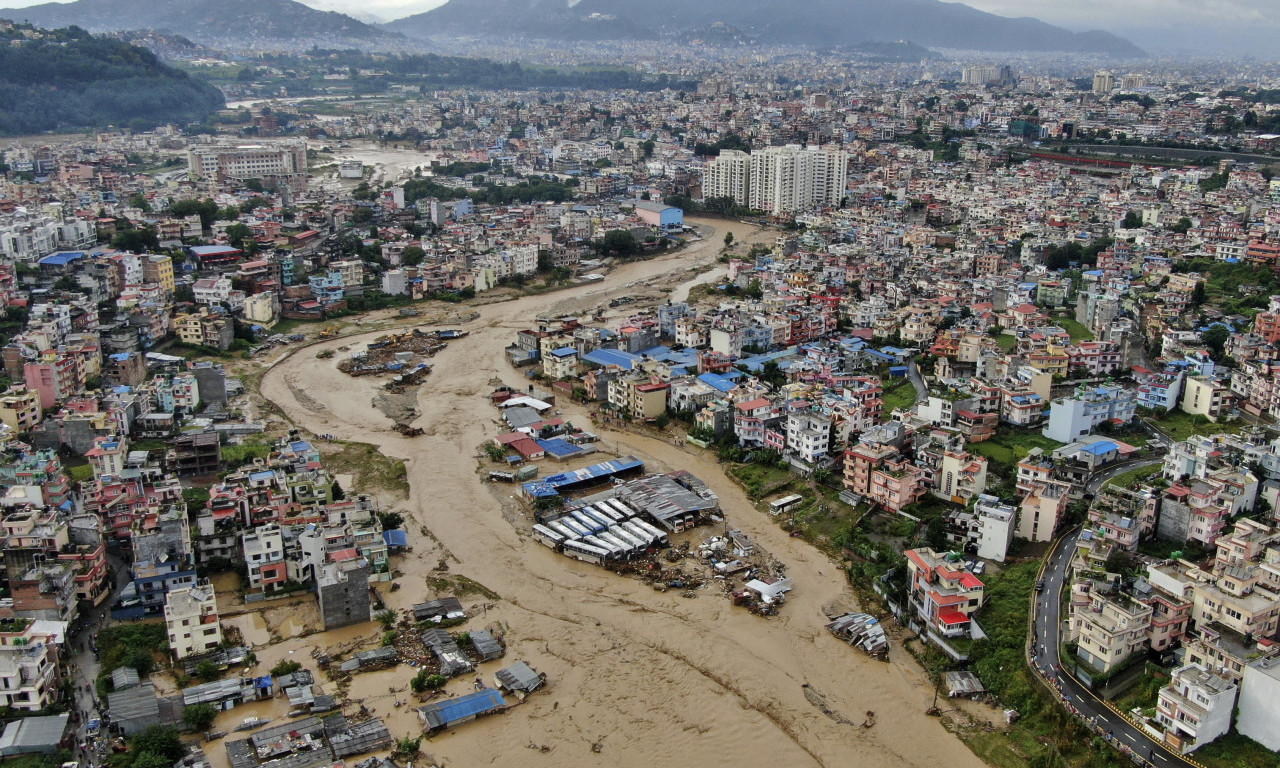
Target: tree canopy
{"points": [[68, 79]]}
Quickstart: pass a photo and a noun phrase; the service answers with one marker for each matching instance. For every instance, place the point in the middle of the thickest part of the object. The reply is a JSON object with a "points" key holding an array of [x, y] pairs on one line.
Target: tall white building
{"points": [[728, 176], [284, 161], [191, 616], [795, 178], [778, 179]]}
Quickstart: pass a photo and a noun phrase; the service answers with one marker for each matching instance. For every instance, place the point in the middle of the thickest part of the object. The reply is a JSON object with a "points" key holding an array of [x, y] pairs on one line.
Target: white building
{"points": [[1260, 702], [264, 557], [1195, 707], [995, 527], [285, 159], [191, 616], [728, 176], [1074, 417], [795, 178], [212, 290], [808, 436], [29, 663]]}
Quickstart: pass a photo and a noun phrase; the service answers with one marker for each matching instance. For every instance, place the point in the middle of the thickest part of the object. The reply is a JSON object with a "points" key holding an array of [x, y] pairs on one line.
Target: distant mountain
{"points": [[251, 23], [814, 23], [66, 79]]}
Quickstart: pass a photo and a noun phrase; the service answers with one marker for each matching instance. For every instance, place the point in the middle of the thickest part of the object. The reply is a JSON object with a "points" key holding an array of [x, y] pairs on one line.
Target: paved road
{"points": [[922, 391], [1099, 479], [1048, 641]]}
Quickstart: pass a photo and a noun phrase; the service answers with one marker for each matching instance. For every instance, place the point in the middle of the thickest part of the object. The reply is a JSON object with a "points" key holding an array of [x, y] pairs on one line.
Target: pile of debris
{"points": [[395, 352], [861, 630]]}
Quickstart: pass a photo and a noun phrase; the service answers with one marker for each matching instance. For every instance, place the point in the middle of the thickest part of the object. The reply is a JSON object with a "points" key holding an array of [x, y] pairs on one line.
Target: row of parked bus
{"points": [[600, 532]]}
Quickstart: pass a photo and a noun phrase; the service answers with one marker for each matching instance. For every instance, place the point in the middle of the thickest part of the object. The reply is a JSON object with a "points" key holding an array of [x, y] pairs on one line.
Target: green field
{"points": [[901, 393], [1236, 751], [1006, 342], [1133, 477], [1180, 425], [1009, 446], [1078, 331]]}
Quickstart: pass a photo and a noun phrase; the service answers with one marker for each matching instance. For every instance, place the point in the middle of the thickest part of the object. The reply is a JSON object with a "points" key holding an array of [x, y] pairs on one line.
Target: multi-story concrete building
{"points": [[1195, 707], [29, 652], [1074, 417], [792, 178], [1259, 707], [1205, 396], [191, 616], [728, 175], [943, 594], [264, 556], [1110, 629], [281, 162], [995, 522]]}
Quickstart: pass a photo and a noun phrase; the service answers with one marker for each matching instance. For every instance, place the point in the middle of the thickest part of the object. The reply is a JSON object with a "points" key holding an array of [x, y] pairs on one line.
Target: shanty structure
{"points": [[33, 734], [520, 677], [439, 715], [134, 709], [453, 661], [861, 630], [374, 659], [963, 684], [486, 645], [439, 610]]}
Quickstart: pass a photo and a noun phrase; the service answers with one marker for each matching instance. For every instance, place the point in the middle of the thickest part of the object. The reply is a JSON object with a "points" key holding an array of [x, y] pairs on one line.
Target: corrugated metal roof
{"points": [[443, 713]]}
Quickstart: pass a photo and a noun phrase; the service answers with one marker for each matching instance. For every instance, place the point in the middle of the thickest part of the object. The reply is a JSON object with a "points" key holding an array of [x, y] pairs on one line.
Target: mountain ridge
{"points": [[815, 23], [205, 21]]}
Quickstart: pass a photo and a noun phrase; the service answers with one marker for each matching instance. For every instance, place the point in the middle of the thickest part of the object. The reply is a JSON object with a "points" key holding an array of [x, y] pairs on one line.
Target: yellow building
{"points": [[158, 270], [20, 408], [1203, 396]]}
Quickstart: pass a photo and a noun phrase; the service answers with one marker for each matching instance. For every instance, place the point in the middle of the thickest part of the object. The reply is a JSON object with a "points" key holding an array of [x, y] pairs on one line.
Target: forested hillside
{"points": [[66, 79]]}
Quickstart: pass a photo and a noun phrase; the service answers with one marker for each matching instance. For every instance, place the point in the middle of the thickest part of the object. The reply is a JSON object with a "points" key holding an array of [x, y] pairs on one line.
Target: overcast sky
{"points": [[1163, 26]]}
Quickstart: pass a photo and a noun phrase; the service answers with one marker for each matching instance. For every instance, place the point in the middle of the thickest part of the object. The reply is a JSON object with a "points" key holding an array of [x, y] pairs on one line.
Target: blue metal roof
{"points": [[558, 447], [720, 382], [466, 706], [395, 538], [624, 360], [1101, 447], [564, 352], [62, 258]]}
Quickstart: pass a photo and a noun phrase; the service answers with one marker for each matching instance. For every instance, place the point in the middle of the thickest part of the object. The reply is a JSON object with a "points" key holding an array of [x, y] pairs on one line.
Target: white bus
{"points": [[548, 537], [785, 503], [585, 552], [660, 536], [563, 530]]}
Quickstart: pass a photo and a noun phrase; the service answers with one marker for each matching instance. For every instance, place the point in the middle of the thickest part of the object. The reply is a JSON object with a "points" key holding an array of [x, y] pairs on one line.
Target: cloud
{"points": [[1102, 14], [382, 9]]}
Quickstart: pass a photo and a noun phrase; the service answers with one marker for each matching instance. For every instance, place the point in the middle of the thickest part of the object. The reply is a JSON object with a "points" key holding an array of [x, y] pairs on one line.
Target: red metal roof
{"points": [[949, 616]]}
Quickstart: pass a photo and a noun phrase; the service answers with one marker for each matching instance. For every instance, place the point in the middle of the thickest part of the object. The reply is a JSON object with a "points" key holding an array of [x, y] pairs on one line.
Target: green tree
{"points": [[161, 740], [1132, 220], [238, 234], [200, 716], [150, 760], [412, 256], [144, 240], [1216, 339], [208, 671], [285, 668], [387, 618], [619, 241], [390, 520], [728, 239]]}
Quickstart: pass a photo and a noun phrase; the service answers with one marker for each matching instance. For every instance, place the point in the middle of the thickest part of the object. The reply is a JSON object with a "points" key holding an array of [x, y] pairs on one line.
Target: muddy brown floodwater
{"points": [[653, 678]]}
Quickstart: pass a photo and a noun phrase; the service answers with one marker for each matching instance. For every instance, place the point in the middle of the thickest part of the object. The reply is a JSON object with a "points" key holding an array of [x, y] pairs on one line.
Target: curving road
{"points": [[1045, 648]]}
